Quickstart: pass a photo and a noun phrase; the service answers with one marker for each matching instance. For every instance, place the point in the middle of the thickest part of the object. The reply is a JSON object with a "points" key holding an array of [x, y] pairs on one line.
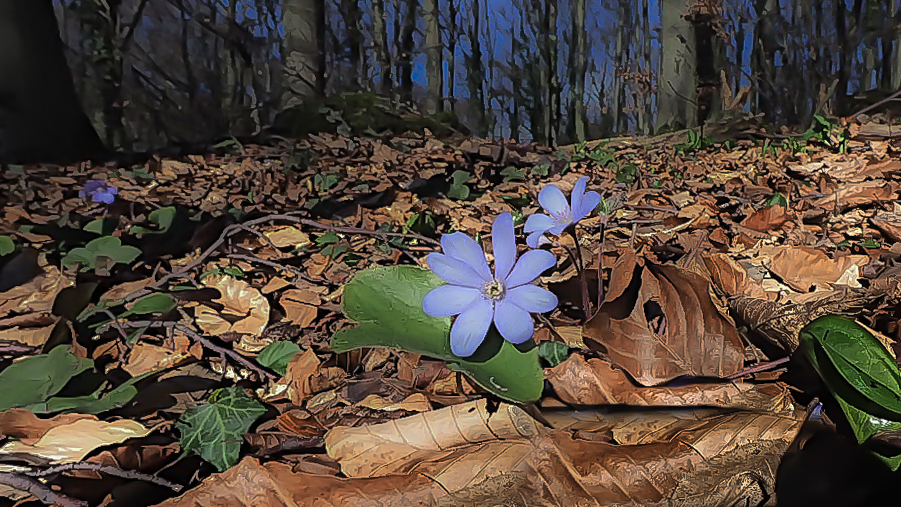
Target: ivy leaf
{"points": [[215, 430]]}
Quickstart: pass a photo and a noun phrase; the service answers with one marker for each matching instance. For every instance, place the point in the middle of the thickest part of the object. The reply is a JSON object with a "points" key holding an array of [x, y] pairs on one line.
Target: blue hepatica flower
{"points": [[99, 191], [560, 214], [480, 298]]}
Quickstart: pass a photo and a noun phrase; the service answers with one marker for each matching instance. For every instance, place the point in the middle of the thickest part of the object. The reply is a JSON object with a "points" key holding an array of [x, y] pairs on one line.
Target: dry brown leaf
{"points": [[667, 328], [252, 484], [288, 236], [416, 402], [481, 458], [71, 442], [246, 308], [806, 269], [146, 357], [597, 382], [31, 336], [25, 426], [301, 306], [37, 295]]}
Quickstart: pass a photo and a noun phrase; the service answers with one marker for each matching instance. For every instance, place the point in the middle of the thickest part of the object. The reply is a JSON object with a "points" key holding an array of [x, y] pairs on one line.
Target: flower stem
{"points": [[601, 293], [583, 281]]}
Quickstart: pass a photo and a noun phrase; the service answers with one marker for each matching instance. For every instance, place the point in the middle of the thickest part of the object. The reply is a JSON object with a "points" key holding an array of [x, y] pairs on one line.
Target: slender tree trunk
{"points": [[476, 77], [578, 62], [453, 31], [41, 117], [433, 52], [382, 50], [304, 65], [407, 48]]}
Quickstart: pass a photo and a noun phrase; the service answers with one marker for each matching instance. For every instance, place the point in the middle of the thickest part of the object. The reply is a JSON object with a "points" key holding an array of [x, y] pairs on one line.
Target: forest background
{"points": [[162, 72]]}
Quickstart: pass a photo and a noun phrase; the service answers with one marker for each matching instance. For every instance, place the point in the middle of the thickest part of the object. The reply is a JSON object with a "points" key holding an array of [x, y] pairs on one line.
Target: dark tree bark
{"points": [[41, 117]]}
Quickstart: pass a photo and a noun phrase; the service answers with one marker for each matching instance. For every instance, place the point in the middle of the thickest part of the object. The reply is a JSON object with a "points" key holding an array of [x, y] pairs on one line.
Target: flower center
{"points": [[562, 216], [493, 290]]}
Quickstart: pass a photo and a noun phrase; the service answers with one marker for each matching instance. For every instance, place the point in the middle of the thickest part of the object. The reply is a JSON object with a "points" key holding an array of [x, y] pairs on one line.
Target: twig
{"points": [[759, 368], [38, 490], [881, 102], [109, 470], [291, 269], [223, 352]]}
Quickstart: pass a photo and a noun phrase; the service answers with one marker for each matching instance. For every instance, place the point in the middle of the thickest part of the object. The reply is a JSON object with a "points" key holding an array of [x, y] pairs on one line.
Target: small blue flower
{"points": [[478, 297], [99, 191], [562, 215]]}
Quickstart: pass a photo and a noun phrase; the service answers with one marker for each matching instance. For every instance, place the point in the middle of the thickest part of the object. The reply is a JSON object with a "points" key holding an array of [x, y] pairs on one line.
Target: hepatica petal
{"points": [[532, 298], [454, 271], [512, 322], [470, 328], [462, 247], [448, 300], [553, 201], [530, 265], [576, 196], [588, 203], [504, 244]]}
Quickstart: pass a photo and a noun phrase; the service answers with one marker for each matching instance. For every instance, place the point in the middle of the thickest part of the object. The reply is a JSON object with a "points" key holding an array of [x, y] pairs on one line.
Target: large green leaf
{"points": [[216, 429], [854, 365], [387, 304], [37, 378]]}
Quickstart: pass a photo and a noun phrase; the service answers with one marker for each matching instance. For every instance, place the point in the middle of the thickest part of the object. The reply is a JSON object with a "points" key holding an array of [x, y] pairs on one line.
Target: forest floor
{"points": [[174, 346]]}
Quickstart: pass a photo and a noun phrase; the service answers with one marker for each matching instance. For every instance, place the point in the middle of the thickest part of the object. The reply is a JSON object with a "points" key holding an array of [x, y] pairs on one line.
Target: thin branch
{"points": [[109, 470], [38, 490]]}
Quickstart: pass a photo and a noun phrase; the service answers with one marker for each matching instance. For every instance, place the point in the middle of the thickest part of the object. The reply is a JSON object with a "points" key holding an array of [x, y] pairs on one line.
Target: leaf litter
{"points": [[187, 338]]}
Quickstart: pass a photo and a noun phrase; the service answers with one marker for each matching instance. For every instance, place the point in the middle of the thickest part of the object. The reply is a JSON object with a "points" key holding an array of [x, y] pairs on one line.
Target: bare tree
{"points": [[304, 55], [41, 117], [433, 52]]}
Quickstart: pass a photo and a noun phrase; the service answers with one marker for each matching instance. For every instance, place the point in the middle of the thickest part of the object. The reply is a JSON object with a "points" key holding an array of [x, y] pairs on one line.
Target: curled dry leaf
{"points": [[254, 484], [72, 442], [301, 306], [481, 458], [416, 402], [246, 309], [659, 323], [37, 295], [806, 269], [23, 425], [596, 382]]}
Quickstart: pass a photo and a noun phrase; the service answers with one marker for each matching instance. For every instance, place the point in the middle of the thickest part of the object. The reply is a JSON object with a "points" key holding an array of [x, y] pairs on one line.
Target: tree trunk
{"points": [[678, 78], [578, 62], [41, 117], [304, 56], [407, 46], [382, 50], [433, 51]]}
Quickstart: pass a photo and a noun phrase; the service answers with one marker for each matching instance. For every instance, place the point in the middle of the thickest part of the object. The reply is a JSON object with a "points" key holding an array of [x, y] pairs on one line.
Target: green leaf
{"points": [[95, 226], [37, 378], [553, 352], [92, 403], [458, 188], [157, 302], [327, 238], [215, 430], [777, 198], [387, 304], [107, 246], [277, 355], [854, 365], [6, 245]]}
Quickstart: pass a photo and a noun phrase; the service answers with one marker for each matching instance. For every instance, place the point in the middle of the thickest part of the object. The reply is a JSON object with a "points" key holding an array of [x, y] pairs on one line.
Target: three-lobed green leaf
{"points": [[387, 304], [215, 429]]}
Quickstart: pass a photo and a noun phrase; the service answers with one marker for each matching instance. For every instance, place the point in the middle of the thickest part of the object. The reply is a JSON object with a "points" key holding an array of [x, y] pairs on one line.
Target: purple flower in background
{"points": [[99, 191], [561, 213], [478, 297]]}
